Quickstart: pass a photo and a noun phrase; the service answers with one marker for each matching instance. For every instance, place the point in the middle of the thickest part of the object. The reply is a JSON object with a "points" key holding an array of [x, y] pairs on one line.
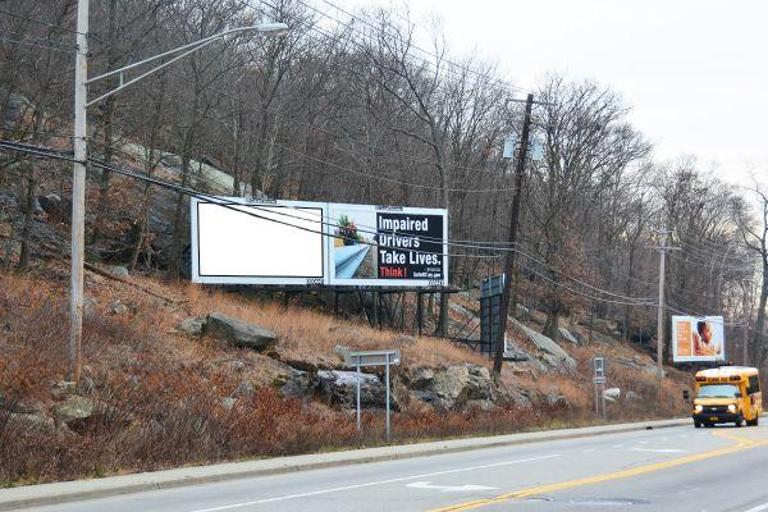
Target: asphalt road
{"points": [[680, 469]]}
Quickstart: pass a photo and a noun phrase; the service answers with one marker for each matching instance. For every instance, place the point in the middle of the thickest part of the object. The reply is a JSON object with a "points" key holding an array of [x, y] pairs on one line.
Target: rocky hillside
{"points": [[181, 374]]}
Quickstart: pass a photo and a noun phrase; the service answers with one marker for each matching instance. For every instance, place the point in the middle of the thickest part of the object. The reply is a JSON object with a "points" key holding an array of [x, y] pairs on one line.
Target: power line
{"points": [[52, 48], [48, 152]]}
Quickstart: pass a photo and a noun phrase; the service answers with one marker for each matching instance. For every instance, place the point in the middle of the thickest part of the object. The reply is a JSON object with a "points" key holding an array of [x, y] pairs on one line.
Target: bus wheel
{"points": [[697, 424], [739, 423]]}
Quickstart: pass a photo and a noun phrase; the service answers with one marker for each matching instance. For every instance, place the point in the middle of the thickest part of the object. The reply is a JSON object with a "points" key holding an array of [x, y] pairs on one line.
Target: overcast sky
{"points": [[694, 72]]}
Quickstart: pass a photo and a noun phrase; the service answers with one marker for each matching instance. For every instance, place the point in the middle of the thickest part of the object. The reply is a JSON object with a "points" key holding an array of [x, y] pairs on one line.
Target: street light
{"points": [[81, 153]]}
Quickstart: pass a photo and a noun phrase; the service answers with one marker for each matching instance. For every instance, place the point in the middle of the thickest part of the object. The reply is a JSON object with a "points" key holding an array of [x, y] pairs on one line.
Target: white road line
{"points": [[758, 508], [589, 450], [371, 484], [657, 450]]}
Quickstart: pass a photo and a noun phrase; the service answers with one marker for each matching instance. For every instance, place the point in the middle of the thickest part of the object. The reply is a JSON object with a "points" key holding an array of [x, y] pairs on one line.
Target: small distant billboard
{"points": [[698, 339], [237, 241]]}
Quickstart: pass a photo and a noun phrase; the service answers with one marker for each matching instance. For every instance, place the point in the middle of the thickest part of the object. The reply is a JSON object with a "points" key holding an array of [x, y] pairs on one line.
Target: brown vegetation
{"points": [[160, 393]]}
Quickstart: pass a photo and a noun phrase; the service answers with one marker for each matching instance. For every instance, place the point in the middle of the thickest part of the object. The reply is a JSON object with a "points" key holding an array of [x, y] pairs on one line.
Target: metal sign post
{"points": [[599, 381], [384, 358]]}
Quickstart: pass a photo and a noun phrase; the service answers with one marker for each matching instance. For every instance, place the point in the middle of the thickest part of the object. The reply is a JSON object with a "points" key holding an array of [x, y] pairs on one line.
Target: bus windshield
{"points": [[718, 391]]}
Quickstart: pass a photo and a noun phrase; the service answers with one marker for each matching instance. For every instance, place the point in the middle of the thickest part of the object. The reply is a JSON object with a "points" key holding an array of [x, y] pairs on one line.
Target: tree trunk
{"points": [[27, 202]]}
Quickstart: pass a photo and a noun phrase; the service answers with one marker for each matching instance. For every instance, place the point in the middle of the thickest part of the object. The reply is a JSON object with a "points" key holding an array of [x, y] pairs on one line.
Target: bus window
{"points": [[754, 385], [718, 391]]}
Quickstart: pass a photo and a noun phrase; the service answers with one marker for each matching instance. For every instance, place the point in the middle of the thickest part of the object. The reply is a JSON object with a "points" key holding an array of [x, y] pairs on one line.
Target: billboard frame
{"points": [[253, 279], [328, 236], [691, 320]]}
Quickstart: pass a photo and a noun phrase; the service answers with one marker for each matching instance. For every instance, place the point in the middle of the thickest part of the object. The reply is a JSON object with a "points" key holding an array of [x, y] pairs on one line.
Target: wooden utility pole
{"points": [[509, 261], [78, 195], [660, 323]]}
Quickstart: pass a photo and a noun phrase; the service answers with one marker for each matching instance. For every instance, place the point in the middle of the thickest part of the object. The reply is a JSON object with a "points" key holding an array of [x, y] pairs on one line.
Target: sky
{"points": [[694, 72]]}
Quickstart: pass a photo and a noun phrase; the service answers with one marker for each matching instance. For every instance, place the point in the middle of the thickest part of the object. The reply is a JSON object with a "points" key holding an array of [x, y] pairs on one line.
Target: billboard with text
{"points": [[237, 241]]}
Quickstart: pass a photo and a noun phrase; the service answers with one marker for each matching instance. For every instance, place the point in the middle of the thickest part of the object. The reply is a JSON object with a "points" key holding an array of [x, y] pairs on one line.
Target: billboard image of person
{"points": [[698, 339]]}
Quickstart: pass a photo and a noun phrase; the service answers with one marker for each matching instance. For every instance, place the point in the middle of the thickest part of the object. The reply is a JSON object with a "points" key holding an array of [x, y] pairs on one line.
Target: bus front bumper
{"points": [[716, 417]]}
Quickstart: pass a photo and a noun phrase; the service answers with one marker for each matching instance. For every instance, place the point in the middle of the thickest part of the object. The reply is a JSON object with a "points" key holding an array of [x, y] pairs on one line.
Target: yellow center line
{"points": [[742, 443]]}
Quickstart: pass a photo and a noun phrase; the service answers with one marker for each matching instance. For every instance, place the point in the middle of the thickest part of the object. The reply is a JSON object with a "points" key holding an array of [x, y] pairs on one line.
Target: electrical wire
{"points": [[237, 207]]}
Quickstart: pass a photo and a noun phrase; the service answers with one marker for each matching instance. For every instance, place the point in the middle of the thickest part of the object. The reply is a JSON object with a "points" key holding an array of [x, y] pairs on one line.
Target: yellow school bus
{"points": [[729, 394]]}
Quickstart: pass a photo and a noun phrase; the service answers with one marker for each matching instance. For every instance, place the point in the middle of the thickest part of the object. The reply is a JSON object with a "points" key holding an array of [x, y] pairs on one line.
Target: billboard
{"points": [[698, 339], [387, 246], [238, 241]]}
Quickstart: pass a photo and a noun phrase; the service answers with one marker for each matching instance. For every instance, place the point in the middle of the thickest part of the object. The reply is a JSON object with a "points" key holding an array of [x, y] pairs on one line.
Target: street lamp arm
{"points": [[190, 48]]}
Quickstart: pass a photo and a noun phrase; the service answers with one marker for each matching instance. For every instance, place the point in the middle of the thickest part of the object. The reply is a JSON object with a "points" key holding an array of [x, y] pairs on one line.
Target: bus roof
{"points": [[724, 371]]}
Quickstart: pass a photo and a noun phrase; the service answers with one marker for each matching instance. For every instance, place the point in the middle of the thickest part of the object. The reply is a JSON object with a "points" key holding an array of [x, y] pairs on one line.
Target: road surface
{"points": [[680, 469]]}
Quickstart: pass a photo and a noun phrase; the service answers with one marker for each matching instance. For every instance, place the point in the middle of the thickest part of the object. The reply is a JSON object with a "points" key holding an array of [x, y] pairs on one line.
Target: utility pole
{"points": [[78, 195], [663, 248], [509, 260]]}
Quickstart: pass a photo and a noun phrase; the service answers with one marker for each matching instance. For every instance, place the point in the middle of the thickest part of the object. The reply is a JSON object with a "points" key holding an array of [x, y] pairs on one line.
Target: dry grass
{"points": [[160, 393], [309, 335]]}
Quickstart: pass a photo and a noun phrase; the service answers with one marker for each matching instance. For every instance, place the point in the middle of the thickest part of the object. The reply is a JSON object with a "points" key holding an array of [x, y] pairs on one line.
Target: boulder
{"points": [[480, 385], [299, 384], [117, 308], [631, 396], [422, 379], [340, 387], [228, 403], [74, 408], [19, 406], [550, 352], [568, 336], [192, 326], [244, 389], [117, 271], [522, 312], [556, 400], [452, 387], [238, 333], [538, 317], [62, 389], [36, 422]]}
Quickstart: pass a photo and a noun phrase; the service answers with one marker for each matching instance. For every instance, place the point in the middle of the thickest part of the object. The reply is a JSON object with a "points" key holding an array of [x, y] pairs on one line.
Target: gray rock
{"points": [[63, 388], [244, 389], [422, 379], [550, 352], [299, 384], [228, 403], [522, 312], [74, 408], [117, 308], [237, 365], [340, 387], [480, 385], [631, 396], [239, 333], [452, 387], [192, 326], [37, 422], [483, 405], [568, 336], [556, 400], [20, 406], [90, 307], [118, 271]]}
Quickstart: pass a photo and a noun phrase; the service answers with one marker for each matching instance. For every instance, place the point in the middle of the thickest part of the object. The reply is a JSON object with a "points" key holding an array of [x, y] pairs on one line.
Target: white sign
{"points": [[237, 241], [698, 339]]}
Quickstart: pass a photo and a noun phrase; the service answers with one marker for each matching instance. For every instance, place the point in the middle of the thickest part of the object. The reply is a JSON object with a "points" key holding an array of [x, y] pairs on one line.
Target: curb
{"points": [[64, 492]]}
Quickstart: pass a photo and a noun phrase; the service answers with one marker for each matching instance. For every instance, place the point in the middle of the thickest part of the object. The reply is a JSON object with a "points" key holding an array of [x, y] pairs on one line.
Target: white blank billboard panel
{"points": [[258, 244]]}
